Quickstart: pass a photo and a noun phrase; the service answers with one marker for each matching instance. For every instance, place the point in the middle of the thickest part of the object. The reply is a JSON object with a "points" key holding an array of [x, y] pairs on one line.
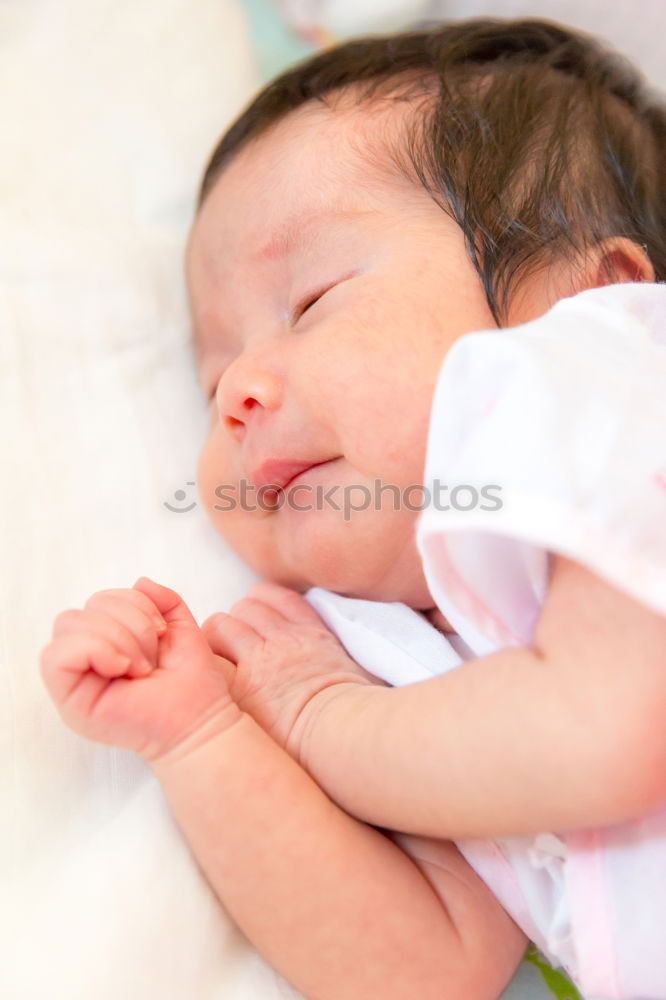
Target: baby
{"points": [[367, 211]]}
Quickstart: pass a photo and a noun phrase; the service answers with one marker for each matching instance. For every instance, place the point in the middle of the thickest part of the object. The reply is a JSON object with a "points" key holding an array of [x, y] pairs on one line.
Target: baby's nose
{"points": [[243, 390]]}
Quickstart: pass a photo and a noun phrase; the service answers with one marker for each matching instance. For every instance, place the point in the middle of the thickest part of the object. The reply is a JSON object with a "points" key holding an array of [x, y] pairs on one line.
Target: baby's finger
{"points": [[168, 603], [263, 618], [136, 599], [288, 602], [89, 622], [229, 637], [142, 625], [67, 658]]}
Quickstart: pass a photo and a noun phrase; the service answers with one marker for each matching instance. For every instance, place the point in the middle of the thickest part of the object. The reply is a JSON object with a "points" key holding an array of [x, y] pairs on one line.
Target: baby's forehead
{"points": [[321, 151]]}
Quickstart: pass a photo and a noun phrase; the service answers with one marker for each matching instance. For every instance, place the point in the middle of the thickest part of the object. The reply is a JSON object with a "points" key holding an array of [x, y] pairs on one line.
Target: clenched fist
{"points": [[133, 669]]}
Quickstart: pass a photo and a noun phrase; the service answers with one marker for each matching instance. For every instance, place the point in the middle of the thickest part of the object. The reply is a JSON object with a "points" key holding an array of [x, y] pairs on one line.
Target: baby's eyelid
{"points": [[314, 296], [309, 300]]}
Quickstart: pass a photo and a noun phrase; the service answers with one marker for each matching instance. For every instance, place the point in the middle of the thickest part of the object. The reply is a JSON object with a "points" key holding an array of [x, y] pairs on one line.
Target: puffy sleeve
{"points": [[548, 437]]}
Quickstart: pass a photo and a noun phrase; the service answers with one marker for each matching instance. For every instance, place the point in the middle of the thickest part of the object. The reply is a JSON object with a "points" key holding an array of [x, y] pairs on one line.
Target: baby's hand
{"points": [[133, 669], [284, 656]]}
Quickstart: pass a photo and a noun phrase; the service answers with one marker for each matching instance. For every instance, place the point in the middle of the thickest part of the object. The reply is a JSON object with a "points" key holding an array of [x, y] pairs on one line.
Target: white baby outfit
{"points": [[565, 418]]}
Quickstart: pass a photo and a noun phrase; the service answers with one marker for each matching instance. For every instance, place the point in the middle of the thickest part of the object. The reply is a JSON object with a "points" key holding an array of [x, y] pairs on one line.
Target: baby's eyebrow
{"points": [[299, 231]]}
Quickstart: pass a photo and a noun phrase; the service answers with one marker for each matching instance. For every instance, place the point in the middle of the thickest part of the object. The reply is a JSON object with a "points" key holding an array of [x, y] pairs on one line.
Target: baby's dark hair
{"points": [[534, 138]]}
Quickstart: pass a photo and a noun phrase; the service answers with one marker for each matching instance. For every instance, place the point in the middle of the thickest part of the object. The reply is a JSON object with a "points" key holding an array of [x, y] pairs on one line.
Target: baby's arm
{"points": [[334, 905], [567, 734]]}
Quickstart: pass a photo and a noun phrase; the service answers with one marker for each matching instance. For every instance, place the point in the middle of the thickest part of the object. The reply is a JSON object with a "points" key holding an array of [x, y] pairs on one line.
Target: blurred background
{"points": [[285, 30]]}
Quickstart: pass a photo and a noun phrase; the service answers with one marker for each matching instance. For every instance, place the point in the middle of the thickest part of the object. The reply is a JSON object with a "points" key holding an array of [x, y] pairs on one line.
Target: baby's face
{"points": [[325, 295]]}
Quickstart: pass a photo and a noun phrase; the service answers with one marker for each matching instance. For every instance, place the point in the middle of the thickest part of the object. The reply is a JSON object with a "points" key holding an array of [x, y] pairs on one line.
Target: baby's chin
{"points": [[356, 581]]}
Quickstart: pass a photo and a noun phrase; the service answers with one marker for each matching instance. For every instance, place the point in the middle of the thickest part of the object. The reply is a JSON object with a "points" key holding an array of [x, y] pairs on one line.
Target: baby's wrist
{"points": [[317, 736], [217, 721]]}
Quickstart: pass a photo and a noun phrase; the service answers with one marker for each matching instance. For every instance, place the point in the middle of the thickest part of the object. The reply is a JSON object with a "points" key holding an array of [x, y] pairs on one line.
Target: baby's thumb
{"points": [[170, 604]]}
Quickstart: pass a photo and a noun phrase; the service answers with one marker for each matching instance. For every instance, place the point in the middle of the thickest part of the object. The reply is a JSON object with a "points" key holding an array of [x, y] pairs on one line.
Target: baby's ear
{"points": [[615, 261]]}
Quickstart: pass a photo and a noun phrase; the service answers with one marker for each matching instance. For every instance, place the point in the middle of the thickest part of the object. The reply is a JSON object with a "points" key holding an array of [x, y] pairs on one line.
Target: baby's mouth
{"points": [[279, 474], [275, 493], [296, 475]]}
